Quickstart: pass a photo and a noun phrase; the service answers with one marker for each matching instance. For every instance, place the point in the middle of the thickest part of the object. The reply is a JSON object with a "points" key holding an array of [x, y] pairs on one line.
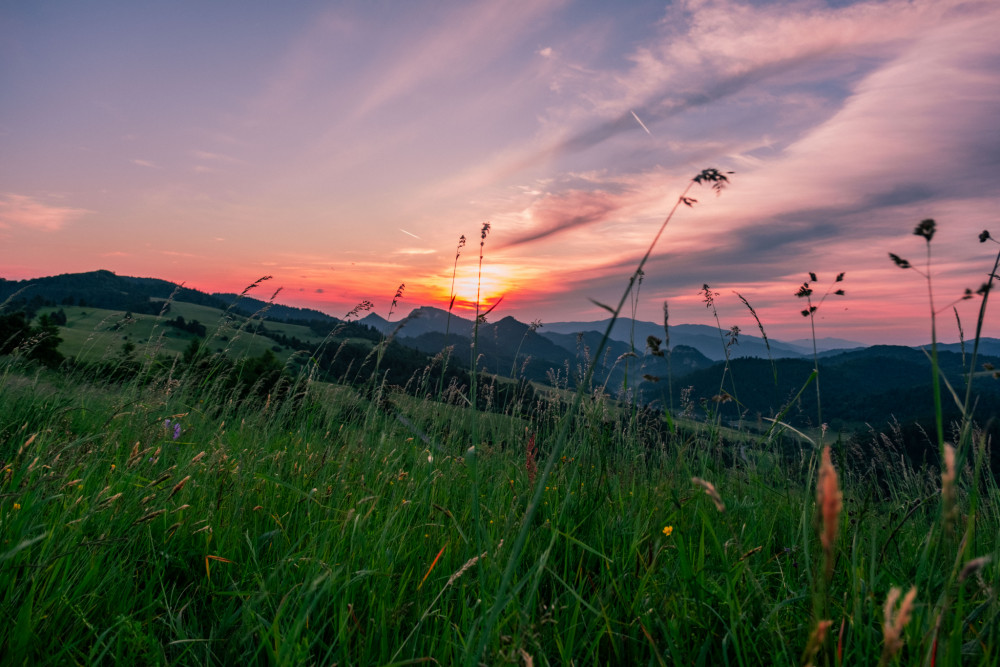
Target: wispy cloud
{"points": [[565, 211], [215, 157], [467, 38], [22, 211]]}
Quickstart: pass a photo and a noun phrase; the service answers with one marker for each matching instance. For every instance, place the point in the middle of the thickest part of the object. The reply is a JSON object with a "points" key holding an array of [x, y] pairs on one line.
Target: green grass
{"points": [[93, 334], [308, 542]]}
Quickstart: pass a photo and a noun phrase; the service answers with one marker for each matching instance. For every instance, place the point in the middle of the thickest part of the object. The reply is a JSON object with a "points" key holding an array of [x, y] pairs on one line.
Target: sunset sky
{"points": [[344, 147]]}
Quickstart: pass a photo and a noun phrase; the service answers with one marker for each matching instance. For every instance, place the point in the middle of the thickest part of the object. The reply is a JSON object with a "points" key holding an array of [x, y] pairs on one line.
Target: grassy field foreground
{"points": [[142, 525]]}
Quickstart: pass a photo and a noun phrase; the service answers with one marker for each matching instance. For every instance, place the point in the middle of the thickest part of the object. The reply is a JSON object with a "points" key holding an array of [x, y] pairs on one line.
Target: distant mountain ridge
{"points": [[250, 306], [105, 289], [703, 338], [865, 385]]}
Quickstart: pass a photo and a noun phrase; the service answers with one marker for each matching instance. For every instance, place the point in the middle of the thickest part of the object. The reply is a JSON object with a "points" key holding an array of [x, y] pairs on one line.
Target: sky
{"points": [[343, 148]]}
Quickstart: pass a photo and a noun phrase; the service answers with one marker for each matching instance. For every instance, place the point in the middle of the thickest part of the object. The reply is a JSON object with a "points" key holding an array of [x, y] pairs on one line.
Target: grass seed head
{"points": [[949, 510], [145, 518], [972, 567], [462, 570], [816, 639], [711, 492], [830, 501], [895, 621], [178, 487]]}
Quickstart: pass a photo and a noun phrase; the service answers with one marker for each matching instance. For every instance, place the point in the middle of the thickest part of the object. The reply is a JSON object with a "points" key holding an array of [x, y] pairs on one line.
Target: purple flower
{"points": [[167, 424]]}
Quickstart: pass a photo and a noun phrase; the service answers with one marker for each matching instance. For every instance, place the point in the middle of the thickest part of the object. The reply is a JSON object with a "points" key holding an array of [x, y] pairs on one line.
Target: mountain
{"points": [[508, 348], [704, 338], [105, 289], [425, 319], [868, 386], [987, 346], [248, 306], [827, 344], [102, 289]]}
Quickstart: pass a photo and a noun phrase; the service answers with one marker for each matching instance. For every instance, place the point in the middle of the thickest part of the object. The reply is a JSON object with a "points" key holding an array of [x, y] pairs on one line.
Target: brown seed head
{"points": [[972, 567], [894, 623], [830, 501], [949, 510], [816, 639], [178, 487], [711, 492]]}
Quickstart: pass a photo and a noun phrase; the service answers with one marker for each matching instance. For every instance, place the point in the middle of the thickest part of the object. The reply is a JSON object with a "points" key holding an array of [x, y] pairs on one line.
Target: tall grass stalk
{"points": [[481, 635], [806, 291], [451, 305]]}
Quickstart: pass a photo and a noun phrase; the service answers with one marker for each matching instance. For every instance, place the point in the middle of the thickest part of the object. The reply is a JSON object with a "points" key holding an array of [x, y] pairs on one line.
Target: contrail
{"points": [[641, 124], [414, 235]]}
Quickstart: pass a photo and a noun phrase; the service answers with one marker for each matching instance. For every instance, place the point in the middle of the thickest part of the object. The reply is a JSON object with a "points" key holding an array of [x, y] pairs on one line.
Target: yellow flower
{"points": [[668, 530], [17, 506]]}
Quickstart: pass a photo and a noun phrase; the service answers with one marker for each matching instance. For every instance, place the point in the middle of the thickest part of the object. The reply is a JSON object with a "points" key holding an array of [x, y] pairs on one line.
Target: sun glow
{"points": [[495, 283]]}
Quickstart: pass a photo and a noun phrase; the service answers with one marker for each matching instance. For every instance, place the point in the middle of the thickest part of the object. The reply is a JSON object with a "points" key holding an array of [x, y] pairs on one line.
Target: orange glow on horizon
{"points": [[495, 283]]}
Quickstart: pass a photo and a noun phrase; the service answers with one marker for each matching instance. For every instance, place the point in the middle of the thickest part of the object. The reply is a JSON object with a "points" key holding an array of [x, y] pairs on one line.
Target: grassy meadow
{"points": [[171, 518]]}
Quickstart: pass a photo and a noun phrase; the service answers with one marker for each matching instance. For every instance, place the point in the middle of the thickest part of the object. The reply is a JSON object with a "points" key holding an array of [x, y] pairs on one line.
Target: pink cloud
{"points": [[22, 211]]}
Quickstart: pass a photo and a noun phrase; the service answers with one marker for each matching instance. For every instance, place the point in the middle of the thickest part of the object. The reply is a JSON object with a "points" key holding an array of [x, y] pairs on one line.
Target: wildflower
{"points": [[17, 506], [167, 425], [668, 530]]}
